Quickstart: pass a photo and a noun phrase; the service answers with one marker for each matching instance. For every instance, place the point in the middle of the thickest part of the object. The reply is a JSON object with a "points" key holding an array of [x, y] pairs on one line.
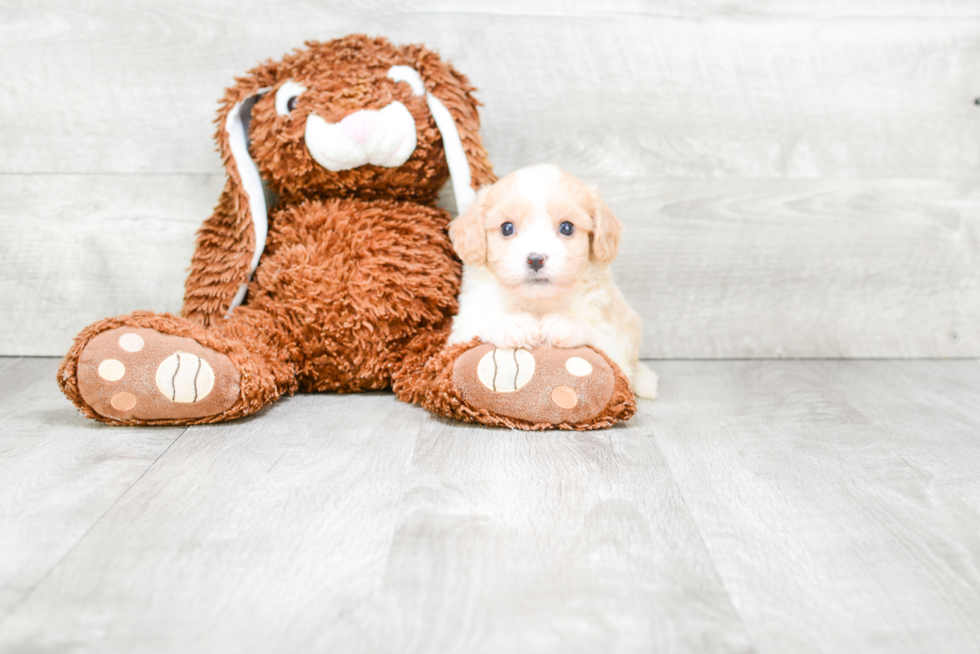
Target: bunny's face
{"points": [[350, 117], [354, 118]]}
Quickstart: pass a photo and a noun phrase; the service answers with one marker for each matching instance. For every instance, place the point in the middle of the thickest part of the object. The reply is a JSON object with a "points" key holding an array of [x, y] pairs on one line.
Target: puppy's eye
{"points": [[291, 103], [507, 229], [566, 228]]}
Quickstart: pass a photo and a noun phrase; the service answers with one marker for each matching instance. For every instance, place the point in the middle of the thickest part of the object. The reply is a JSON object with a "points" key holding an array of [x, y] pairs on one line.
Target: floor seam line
{"points": [[707, 551], [30, 591]]}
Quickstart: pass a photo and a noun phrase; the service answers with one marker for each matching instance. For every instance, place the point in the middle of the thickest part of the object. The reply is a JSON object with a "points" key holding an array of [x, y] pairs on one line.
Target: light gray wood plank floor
{"points": [[757, 506]]}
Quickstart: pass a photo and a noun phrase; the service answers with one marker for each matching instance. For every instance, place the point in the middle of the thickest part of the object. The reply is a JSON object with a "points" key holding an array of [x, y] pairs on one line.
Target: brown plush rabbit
{"points": [[350, 282]]}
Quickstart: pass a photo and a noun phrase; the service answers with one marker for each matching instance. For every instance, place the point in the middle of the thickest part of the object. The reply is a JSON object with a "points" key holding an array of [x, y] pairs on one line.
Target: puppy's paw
{"points": [[645, 382], [511, 332], [560, 330]]}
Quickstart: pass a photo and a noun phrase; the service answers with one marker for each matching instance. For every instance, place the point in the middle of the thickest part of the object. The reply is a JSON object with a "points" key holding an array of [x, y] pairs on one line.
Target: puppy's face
{"points": [[538, 230]]}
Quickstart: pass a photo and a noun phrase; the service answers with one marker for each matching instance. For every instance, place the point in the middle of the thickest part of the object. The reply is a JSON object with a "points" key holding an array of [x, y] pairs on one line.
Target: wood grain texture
{"points": [[516, 542], [717, 268], [801, 268], [797, 179], [754, 89], [911, 9], [360, 524], [835, 493], [79, 248], [59, 474], [274, 526], [758, 506]]}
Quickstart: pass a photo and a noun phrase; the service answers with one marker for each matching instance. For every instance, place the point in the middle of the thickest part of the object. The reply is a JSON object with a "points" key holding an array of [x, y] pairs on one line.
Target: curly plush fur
{"points": [[358, 281], [345, 75]]}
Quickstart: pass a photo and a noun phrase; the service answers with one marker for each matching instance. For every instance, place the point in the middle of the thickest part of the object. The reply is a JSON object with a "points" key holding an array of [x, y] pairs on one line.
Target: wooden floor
{"points": [[758, 506]]}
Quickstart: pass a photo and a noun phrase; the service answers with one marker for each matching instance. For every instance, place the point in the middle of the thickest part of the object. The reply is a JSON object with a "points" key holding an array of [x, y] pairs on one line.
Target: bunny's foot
{"points": [[147, 368], [141, 374], [542, 388]]}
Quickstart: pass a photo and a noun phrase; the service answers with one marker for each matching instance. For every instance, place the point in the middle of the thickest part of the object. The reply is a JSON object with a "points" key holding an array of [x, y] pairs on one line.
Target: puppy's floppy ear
{"points": [[606, 229], [231, 241], [468, 232]]}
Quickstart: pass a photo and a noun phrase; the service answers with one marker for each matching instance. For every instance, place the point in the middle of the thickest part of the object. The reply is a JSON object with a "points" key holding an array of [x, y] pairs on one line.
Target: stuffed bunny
{"points": [[350, 282]]}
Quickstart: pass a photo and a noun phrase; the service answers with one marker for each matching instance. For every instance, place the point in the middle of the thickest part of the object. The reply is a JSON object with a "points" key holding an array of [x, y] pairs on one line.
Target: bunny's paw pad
{"points": [[142, 374], [543, 385]]}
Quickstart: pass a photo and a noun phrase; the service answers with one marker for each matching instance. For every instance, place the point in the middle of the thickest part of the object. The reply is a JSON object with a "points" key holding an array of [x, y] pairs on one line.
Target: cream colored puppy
{"points": [[536, 248]]}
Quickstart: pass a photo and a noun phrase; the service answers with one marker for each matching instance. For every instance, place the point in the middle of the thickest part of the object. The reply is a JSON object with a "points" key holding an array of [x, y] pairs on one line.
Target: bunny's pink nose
{"points": [[360, 125]]}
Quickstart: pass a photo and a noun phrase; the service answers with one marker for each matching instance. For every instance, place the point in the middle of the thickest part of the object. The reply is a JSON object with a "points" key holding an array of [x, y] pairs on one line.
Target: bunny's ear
{"points": [[231, 241], [454, 109]]}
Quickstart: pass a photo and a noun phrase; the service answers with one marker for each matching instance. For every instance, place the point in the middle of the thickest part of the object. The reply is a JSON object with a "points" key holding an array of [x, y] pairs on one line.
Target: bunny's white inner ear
{"points": [[459, 165], [408, 75], [237, 130]]}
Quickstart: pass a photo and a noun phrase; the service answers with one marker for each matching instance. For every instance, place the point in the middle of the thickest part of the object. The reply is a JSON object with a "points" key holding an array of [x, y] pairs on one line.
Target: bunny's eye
{"points": [[287, 95]]}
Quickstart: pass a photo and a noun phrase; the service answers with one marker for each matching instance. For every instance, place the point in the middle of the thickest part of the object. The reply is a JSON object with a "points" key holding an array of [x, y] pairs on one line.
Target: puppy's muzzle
{"points": [[536, 261]]}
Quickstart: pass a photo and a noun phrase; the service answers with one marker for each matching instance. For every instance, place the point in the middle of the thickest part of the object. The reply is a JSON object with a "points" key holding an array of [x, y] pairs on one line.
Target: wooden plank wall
{"points": [[797, 179]]}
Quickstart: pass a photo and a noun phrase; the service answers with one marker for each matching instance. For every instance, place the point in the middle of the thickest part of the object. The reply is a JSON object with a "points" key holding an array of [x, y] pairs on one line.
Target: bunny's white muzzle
{"points": [[381, 138]]}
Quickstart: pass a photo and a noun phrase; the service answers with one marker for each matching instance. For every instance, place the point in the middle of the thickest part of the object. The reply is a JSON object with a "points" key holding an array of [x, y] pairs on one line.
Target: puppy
{"points": [[536, 248]]}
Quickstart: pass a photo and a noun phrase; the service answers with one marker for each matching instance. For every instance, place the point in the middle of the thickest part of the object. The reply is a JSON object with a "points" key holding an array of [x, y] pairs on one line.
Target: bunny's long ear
{"points": [[231, 241], [451, 102]]}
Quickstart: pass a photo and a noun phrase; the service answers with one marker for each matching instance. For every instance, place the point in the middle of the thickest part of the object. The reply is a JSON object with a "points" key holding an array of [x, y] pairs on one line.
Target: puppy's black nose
{"points": [[536, 261]]}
